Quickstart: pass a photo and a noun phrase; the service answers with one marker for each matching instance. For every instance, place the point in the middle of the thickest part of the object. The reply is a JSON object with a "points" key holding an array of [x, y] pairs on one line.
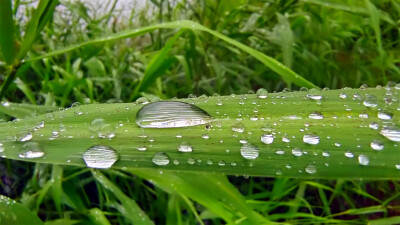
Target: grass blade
{"points": [[13, 212], [7, 46], [276, 66], [334, 132]]}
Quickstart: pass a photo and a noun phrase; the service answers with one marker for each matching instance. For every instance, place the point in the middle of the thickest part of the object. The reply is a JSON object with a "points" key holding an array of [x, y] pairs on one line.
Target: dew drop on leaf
{"points": [[185, 147], [391, 132], [31, 150], [311, 139], [249, 151], [262, 93], [100, 156], [160, 159], [171, 114], [24, 136], [371, 101], [297, 152], [267, 138], [363, 160], [377, 145], [310, 169], [316, 116]]}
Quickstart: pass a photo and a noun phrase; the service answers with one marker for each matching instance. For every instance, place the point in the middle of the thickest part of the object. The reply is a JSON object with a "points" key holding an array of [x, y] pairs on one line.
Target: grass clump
{"points": [[181, 49]]}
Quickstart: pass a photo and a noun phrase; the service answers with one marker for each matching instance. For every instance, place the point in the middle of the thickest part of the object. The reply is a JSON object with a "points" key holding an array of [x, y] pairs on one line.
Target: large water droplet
{"points": [[363, 160], [267, 138], [297, 152], [262, 93], [377, 145], [311, 139], [31, 150], [249, 151], [185, 147], [311, 169], [391, 132], [371, 101], [314, 94], [169, 114], [384, 115], [160, 159], [100, 156], [24, 136]]}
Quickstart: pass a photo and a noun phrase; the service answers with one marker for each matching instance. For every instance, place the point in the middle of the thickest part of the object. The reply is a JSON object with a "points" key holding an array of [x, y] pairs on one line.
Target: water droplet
{"points": [[249, 151], [24, 136], [169, 114], [363, 115], [219, 102], [314, 94], [374, 125], [363, 160], [297, 152], [397, 165], [279, 152], [384, 115], [288, 166], [160, 159], [343, 95], [286, 139], [106, 131], [311, 139], [100, 156], [262, 93], [377, 145], [96, 124], [1, 147], [325, 154], [267, 138], [316, 116], [391, 132], [77, 108], [191, 161], [142, 101], [371, 101], [238, 127], [142, 148], [31, 150], [311, 169], [221, 163], [349, 154], [205, 136], [185, 147], [278, 172]]}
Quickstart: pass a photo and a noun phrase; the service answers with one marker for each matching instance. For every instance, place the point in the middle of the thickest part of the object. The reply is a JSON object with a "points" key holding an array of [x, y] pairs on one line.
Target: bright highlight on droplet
{"points": [[100, 156], [170, 114]]}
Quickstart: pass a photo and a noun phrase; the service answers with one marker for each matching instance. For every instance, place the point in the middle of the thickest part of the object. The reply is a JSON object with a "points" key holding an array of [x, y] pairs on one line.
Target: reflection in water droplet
{"points": [[310, 169], [363, 160], [160, 159], [100, 156], [31, 150], [297, 152], [262, 93], [371, 101], [391, 132], [169, 114], [316, 116], [311, 139], [267, 139], [249, 151], [185, 147], [377, 145]]}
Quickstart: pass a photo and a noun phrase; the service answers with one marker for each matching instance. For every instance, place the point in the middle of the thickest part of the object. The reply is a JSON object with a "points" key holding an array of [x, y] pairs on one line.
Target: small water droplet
{"points": [[325, 154], [391, 132], [142, 101], [1, 147], [285, 139], [384, 115], [278, 172], [288, 166], [219, 102], [267, 138], [170, 114], [205, 136], [100, 156], [262, 93], [397, 166], [374, 125], [371, 101], [142, 148], [314, 94], [311, 139], [238, 127], [343, 95], [24, 136], [363, 115], [349, 154], [377, 145], [363, 160], [191, 161], [185, 147], [316, 116], [221, 163], [249, 151], [297, 152], [31, 150], [311, 169], [160, 159], [96, 124], [280, 152]]}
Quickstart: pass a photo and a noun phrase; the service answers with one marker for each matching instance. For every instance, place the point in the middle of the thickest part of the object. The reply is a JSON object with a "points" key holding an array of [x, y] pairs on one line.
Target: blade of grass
{"points": [[13, 212], [274, 65], [21, 111], [7, 34]]}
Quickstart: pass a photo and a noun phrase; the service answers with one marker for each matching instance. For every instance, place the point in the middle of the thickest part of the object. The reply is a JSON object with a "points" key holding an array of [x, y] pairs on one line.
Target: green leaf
{"points": [[7, 34], [21, 111], [13, 212], [273, 64], [357, 135]]}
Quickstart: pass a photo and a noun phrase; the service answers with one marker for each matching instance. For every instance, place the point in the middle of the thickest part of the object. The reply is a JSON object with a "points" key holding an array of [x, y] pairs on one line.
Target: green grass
{"points": [[52, 60]]}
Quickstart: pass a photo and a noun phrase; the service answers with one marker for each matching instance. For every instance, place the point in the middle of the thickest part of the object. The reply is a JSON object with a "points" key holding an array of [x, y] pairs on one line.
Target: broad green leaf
{"points": [[291, 134], [273, 64], [21, 111], [13, 212], [7, 35]]}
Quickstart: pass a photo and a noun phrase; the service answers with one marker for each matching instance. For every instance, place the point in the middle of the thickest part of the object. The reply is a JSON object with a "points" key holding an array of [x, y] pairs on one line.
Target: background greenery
{"points": [[332, 44]]}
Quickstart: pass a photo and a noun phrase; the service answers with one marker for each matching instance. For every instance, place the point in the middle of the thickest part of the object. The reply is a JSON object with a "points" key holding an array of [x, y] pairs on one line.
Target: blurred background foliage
{"points": [[331, 43]]}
